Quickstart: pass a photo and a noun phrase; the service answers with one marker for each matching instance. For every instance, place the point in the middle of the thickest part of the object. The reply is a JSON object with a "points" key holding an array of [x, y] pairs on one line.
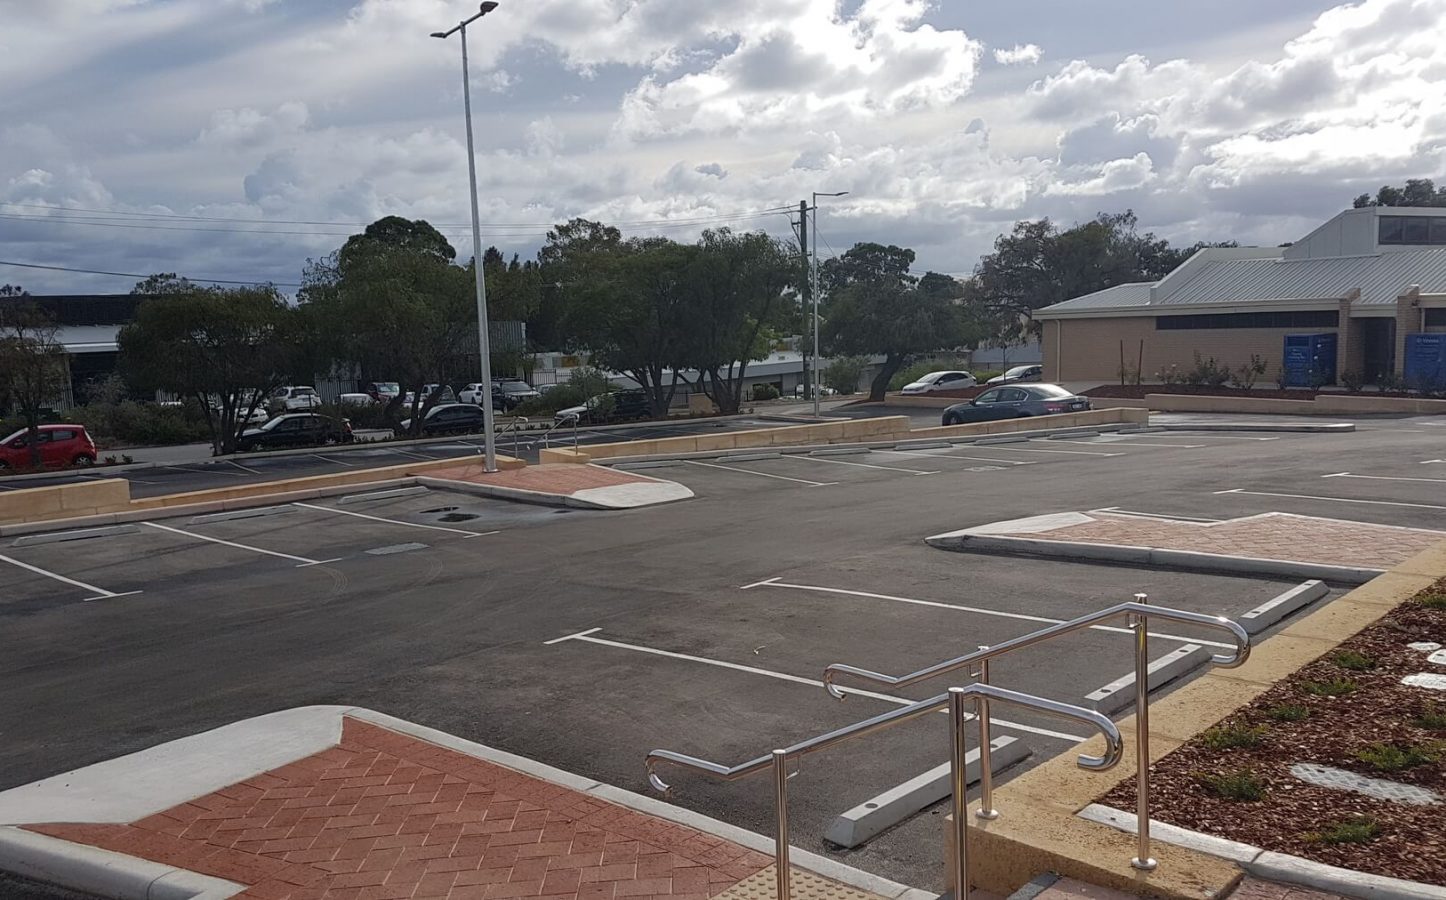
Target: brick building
{"points": [[1371, 277]]}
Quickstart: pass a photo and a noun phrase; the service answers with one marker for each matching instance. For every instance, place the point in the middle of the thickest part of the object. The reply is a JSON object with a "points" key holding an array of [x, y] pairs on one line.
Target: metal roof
{"points": [[1381, 278], [1118, 297]]}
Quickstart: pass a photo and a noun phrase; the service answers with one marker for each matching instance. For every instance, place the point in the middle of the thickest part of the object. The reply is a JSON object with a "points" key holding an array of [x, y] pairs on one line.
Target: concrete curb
{"points": [[1149, 557], [231, 754], [1270, 865], [83, 534], [882, 812], [1272, 611], [96, 871], [1303, 428], [1118, 694]]}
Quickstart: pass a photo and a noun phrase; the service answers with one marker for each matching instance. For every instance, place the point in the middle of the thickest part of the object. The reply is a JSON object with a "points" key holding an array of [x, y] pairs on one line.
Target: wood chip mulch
{"points": [[1411, 841]]}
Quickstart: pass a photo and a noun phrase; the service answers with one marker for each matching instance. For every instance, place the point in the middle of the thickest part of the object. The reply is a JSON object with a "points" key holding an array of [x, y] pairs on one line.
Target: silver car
{"points": [[1019, 373]]}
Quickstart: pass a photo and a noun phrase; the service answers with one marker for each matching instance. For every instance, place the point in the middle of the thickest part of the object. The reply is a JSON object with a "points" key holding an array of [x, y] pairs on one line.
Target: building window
{"points": [[1413, 230], [1307, 319], [1436, 318]]}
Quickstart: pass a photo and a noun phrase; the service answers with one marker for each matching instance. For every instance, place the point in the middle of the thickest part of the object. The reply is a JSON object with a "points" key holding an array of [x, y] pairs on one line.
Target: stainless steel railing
{"points": [[955, 701], [1139, 614], [515, 426], [546, 438]]}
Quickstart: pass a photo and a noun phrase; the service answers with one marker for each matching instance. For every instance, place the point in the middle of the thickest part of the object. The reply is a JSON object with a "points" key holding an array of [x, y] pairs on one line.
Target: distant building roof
{"points": [[1381, 278], [1121, 296]]}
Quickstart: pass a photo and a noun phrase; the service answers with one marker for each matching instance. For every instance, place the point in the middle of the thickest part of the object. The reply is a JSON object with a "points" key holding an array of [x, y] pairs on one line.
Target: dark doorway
{"points": [[1378, 342]]}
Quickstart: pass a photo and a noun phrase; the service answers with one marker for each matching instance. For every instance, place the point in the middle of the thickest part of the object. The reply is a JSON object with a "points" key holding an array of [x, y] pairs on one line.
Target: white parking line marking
{"points": [[694, 462], [755, 584], [937, 455], [243, 468], [332, 459], [1196, 436], [347, 512], [571, 637], [213, 470], [984, 612], [303, 561], [1427, 462], [1168, 517], [586, 637], [1330, 499], [839, 462], [100, 593], [1384, 478], [1131, 442], [1010, 449]]}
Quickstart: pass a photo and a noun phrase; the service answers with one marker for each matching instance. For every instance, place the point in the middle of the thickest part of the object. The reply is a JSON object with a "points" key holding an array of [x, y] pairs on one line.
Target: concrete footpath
{"points": [[341, 802]]}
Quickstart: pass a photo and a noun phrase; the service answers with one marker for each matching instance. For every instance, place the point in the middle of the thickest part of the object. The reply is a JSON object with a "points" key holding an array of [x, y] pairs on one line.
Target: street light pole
{"points": [[484, 344], [817, 381]]}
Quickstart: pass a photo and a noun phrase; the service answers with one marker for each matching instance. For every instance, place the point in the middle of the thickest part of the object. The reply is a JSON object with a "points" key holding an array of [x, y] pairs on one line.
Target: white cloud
{"points": [[1018, 55]]}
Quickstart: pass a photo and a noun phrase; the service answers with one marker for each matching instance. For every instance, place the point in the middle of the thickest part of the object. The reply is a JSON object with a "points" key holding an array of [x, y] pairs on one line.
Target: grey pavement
{"points": [[700, 626]]}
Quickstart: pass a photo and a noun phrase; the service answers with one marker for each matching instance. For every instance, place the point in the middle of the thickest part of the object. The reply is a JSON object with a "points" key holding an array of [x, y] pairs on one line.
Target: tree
{"points": [[1416, 192], [883, 311], [392, 302], [571, 252], [866, 262], [225, 348], [736, 301], [33, 370]]}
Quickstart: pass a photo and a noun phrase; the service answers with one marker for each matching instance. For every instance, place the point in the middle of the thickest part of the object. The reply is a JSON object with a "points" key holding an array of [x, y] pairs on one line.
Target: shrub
{"points": [[363, 415], [1248, 374], [1356, 662], [1242, 786], [1355, 830], [1233, 737], [1432, 718], [1320, 377], [766, 391], [1170, 376], [843, 374], [987, 374], [1282, 380], [129, 422], [1288, 712], [1207, 373], [1434, 601], [1336, 687], [1353, 380], [1396, 758]]}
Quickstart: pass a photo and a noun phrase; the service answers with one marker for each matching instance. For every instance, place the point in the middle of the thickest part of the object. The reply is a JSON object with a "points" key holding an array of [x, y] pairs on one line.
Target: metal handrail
{"points": [[547, 435], [954, 699], [1139, 613], [515, 426]]}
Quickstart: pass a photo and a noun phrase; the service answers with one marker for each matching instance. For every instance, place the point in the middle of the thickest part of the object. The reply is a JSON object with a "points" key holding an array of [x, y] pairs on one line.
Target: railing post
{"points": [[1141, 625], [780, 834], [959, 786], [986, 808]]}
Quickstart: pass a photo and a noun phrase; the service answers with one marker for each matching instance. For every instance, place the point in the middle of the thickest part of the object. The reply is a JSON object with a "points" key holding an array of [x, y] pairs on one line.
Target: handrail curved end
{"points": [[1242, 646]]}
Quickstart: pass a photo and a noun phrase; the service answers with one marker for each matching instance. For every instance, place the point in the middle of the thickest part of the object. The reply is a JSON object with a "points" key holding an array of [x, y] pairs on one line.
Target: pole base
{"points": [[989, 815], [1147, 864]]}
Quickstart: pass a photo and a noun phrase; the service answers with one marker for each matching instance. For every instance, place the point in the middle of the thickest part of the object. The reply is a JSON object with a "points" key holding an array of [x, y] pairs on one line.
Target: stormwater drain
{"points": [[1340, 779], [440, 509], [458, 517], [396, 548]]}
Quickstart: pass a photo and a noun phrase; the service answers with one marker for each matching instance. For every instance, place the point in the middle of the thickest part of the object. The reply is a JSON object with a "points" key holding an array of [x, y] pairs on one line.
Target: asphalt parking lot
{"points": [[585, 639], [172, 478]]}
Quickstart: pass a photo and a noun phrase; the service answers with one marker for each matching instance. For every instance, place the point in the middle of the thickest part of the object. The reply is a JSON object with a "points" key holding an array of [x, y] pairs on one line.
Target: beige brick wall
{"points": [[1087, 349]]}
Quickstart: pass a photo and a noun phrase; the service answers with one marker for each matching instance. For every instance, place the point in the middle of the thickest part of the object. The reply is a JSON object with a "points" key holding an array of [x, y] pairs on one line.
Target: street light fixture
{"points": [[483, 343], [817, 381]]}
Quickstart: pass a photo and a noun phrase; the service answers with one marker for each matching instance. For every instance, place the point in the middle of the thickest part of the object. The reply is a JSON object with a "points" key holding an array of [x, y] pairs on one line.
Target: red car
{"points": [[60, 446]]}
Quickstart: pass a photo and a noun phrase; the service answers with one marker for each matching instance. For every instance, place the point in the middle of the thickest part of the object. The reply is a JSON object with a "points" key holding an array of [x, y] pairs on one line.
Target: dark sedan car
{"points": [[296, 430], [449, 418], [1016, 401]]}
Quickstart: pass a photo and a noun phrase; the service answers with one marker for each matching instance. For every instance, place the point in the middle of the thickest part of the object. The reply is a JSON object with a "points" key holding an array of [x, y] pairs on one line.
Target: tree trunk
{"points": [[892, 364], [32, 437]]}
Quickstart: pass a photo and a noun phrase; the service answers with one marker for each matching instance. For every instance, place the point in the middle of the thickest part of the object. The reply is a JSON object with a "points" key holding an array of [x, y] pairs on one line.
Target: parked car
{"points": [[258, 416], [1019, 373], [383, 391], [292, 398], [952, 380], [802, 391], [295, 430], [356, 400], [447, 395], [60, 445], [1016, 402], [508, 395], [625, 405], [448, 418]]}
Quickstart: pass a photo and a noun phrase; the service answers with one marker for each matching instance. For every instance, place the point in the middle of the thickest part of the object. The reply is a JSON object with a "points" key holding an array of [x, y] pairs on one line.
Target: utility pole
{"points": [[807, 290]]}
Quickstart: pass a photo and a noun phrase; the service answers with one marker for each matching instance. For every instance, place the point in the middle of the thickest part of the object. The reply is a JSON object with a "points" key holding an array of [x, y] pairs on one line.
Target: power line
{"points": [[4, 262]]}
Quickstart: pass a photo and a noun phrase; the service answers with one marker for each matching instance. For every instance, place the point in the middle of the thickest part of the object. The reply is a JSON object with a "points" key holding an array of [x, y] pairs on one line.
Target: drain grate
{"points": [[458, 517]]}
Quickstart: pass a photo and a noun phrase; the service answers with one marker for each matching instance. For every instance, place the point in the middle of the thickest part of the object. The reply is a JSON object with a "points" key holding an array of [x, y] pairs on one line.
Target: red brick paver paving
{"points": [[1255, 889], [550, 478], [383, 816], [1269, 536]]}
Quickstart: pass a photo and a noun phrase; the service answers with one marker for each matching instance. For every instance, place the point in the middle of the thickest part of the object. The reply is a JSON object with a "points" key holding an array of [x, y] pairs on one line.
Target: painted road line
{"points": [[841, 462], [243, 468], [1244, 492], [932, 455], [1131, 442], [412, 454], [332, 459], [100, 593], [1044, 620], [1008, 449], [301, 560], [694, 462], [755, 584], [1427, 462], [357, 515], [1384, 478], [587, 637], [1168, 517], [213, 470]]}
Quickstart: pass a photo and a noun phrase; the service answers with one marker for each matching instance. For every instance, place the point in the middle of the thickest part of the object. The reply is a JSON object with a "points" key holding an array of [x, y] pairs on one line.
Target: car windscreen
{"points": [[517, 387], [1019, 370], [1049, 390], [932, 377], [389, 386]]}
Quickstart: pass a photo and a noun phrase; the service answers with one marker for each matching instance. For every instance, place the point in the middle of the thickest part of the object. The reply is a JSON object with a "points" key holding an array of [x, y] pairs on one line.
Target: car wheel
{"points": [[950, 420], [4, 465], [330, 440], [83, 459]]}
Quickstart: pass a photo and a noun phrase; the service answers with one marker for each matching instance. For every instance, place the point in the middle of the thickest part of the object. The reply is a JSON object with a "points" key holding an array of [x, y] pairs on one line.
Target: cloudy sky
{"points": [[232, 139]]}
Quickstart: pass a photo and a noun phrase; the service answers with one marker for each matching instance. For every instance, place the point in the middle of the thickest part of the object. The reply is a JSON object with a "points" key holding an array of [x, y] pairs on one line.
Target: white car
{"points": [[1019, 373], [292, 398], [471, 393], [356, 400], [950, 380]]}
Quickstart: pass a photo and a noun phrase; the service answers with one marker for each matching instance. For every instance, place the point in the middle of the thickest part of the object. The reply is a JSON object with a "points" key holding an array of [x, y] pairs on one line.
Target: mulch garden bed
{"points": [[1347, 710]]}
